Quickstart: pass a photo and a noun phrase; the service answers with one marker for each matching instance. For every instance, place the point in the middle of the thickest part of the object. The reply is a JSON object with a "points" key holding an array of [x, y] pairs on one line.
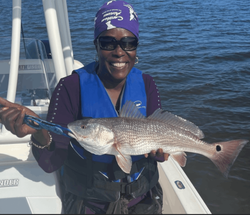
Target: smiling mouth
{"points": [[118, 65]]}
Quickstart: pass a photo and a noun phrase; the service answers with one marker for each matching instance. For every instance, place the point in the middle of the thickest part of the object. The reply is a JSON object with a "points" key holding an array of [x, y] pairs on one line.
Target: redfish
{"points": [[134, 134]]}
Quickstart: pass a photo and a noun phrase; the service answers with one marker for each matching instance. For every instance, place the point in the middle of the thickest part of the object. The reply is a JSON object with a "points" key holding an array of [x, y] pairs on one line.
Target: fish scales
{"points": [[133, 134], [142, 136]]}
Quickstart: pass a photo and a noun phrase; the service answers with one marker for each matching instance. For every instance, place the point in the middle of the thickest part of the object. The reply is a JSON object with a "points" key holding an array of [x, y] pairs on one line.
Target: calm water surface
{"points": [[199, 55]]}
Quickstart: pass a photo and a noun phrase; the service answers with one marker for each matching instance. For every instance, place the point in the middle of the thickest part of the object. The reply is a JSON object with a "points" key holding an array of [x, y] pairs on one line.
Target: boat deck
{"points": [[29, 188]]}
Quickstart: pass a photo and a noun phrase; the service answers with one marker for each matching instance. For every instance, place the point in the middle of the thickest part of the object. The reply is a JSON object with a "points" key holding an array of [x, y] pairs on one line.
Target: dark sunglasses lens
{"points": [[107, 43], [129, 43], [126, 43]]}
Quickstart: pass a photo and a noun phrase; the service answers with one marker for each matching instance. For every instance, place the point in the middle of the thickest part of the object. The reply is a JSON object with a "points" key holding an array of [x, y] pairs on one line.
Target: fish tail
{"points": [[226, 153]]}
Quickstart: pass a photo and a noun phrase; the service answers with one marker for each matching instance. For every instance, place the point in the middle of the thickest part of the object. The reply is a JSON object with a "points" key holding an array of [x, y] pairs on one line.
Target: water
{"points": [[199, 55]]}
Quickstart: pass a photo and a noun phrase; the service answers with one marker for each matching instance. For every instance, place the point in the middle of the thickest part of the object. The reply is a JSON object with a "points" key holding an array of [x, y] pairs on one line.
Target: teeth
{"points": [[118, 64]]}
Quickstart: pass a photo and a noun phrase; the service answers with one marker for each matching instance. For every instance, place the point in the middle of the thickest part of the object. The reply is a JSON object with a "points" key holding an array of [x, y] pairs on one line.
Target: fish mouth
{"points": [[73, 135]]}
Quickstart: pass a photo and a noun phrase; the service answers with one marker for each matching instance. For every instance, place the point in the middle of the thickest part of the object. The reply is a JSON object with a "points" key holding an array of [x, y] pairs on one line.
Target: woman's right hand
{"points": [[12, 115]]}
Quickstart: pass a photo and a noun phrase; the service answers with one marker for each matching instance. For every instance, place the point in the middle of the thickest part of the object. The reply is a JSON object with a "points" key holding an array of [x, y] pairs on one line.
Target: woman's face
{"points": [[116, 64]]}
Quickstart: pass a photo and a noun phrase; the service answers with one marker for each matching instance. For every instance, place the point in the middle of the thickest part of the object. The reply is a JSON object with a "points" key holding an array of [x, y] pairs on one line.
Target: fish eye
{"points": [[83, 126]]}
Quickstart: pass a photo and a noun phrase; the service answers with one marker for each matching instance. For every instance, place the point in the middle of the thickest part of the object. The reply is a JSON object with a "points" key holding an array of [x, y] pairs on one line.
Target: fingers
{"points": [[166, 155], [1, 111], [5, 103], [20, 128], [159, 155], [20, 118], [152, 153], [12, 118], [9, 118]]}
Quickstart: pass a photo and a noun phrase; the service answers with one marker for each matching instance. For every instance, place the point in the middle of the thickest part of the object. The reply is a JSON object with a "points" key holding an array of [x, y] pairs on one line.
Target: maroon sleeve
{"points": [[64, 108], [153, 96]]}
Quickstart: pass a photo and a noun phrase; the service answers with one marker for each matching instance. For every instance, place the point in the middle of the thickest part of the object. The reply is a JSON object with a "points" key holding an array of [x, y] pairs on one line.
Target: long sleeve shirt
{"points": [[65, 107]]}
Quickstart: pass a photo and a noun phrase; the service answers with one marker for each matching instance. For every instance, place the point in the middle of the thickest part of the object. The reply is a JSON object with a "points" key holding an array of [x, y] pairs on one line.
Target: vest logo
{"points": [[9, 183], [138, 104]]}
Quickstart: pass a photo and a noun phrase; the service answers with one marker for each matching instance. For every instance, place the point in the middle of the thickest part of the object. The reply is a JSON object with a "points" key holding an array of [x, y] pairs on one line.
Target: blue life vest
{"points": [[96, 102], [92, 176]]}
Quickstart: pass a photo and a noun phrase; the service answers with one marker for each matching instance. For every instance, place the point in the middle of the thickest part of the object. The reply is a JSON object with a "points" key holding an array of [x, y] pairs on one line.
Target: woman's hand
{"points": [[12, 115], [159, 155]]}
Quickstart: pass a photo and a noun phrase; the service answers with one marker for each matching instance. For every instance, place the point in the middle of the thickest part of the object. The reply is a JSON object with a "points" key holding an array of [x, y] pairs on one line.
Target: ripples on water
{"points": [[199, 54]]}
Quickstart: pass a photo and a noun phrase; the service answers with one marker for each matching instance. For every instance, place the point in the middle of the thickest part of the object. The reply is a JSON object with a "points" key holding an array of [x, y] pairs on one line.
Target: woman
{"points": [[95, 184]]}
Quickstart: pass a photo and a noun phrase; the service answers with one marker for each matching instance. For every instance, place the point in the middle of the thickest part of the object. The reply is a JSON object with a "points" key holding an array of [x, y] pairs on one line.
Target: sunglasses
{"points": [[110, 43]]}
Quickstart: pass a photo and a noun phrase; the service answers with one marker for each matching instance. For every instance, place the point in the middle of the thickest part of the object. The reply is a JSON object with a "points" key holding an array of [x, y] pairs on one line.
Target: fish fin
{"points": [[130, 110], [124, 162], [226, 153], [176, 121], [180, 157]]}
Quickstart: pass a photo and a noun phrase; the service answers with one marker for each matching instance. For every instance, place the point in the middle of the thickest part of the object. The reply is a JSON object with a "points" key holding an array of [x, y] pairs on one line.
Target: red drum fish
{"points": [[134, 134]]}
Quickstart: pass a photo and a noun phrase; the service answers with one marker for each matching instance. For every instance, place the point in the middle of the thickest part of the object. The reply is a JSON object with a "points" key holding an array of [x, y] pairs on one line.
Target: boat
{"points": [[28, 77]]}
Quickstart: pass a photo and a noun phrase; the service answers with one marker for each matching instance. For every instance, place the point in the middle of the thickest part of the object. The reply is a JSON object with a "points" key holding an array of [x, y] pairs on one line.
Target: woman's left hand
{"points": [[158, 155]]}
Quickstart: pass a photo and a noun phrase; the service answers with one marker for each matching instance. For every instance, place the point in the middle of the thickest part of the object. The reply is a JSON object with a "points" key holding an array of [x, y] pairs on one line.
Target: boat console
{"points": [[24, 186]]}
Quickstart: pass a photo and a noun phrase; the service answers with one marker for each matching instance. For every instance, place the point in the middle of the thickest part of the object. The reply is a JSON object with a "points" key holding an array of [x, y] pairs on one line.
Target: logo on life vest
{"points": [[138, 104]]}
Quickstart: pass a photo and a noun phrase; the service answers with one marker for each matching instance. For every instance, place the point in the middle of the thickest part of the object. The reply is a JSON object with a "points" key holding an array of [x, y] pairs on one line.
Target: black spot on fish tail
{"points": [[218, 148], [226, 153]]}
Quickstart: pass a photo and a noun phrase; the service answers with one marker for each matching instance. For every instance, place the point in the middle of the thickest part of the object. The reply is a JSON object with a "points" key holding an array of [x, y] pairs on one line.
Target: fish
{"points": [[131, 133]]}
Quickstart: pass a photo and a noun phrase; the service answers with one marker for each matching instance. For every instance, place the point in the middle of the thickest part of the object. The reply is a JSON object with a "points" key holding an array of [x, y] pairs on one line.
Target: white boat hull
{"points": [[181, 199], [24, 186]]}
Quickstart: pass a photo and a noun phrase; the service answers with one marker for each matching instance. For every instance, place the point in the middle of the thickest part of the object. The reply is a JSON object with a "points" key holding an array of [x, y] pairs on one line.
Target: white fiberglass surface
{"points": [[36, 77]]}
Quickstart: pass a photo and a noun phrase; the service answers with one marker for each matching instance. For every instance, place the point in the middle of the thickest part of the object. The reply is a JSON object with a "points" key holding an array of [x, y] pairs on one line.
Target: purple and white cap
{"points": [[116, 14]]}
